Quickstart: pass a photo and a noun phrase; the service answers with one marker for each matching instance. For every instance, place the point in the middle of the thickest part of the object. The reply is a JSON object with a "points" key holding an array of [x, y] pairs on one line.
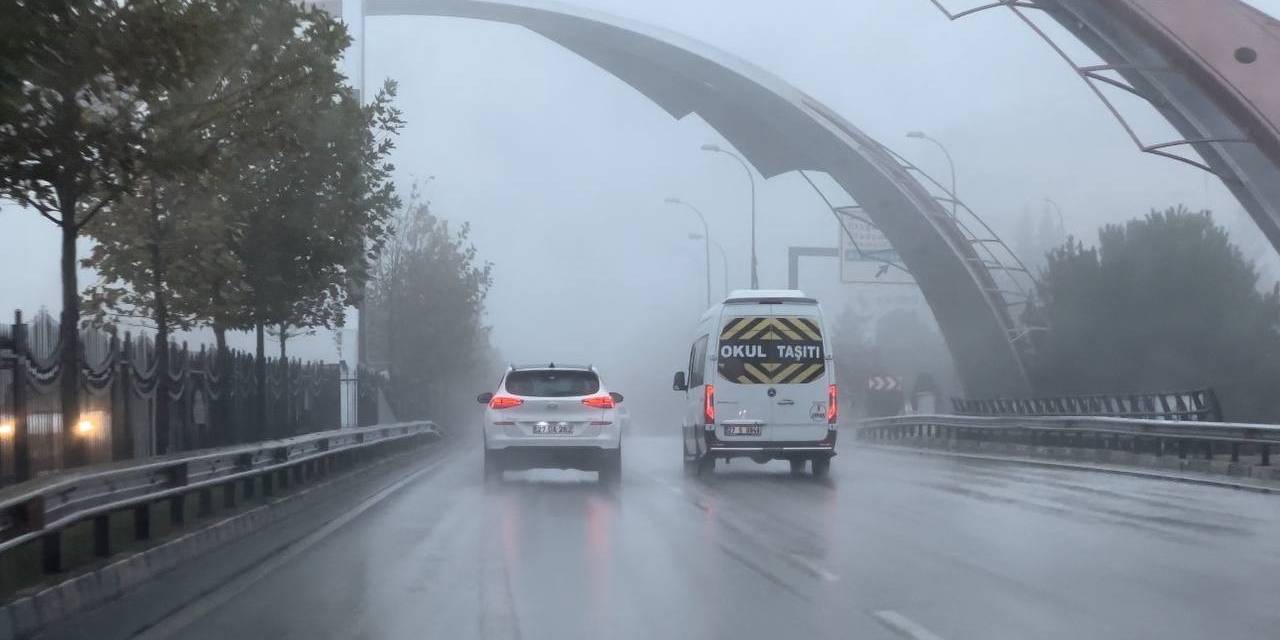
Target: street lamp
{"points": [[755, 277], [724, 260], [707, 245], [1062, 227], [920, 135]]}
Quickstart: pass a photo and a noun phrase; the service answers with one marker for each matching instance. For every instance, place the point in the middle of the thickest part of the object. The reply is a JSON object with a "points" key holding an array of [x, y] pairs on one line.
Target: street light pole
{"points": [[755, 277], [1062, 227], [706, 245], [724, 262], [950, 162]]}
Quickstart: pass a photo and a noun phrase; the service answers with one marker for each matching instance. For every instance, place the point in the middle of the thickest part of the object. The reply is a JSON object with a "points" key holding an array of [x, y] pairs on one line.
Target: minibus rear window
{"points": [[771, 350]]}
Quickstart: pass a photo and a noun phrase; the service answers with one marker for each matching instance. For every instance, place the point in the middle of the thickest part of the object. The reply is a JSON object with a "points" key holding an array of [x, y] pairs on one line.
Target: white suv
{"points": [[555, 416]]}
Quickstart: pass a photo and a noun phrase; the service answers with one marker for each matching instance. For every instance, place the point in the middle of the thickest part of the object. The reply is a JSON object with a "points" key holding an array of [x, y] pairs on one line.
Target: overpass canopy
{"points": [[780, 129]]}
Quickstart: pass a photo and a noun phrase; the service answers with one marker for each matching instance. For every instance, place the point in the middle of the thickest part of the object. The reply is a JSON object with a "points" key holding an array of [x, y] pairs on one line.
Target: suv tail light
{"points": [[833, 409], [709, 404], [599, 402], [505, 402]]}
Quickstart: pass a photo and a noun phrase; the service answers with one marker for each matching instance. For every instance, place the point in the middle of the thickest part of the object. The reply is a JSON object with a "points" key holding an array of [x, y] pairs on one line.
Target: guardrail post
{"points": [[266, 484], [51, 552], [1182, 449], [205, 505], [1266, 455], [229, 495], [177, 509], [142, 522], [1208, 450], [1235, 452], [102, 535]]}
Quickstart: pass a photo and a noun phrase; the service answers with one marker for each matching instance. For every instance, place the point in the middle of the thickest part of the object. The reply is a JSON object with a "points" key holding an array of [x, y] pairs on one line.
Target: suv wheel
{"points": [[611, 467], [492, 468], [797, 466]]}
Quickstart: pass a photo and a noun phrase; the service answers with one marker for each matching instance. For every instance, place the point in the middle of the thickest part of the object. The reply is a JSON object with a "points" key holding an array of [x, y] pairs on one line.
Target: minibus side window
{"points": [[698, 363]]}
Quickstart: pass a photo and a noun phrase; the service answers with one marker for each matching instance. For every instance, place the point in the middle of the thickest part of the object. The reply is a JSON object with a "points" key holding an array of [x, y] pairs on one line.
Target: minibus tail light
{"points": [[709, 404], [833, 409]]}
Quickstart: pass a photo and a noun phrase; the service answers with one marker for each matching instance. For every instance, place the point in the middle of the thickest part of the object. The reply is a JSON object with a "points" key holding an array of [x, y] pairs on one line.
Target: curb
{"points": [[1058, 464], [25, 616]]}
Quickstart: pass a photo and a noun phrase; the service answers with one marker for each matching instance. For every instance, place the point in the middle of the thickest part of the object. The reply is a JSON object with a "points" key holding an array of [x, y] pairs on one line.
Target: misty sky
{"points": [[562, 169]]}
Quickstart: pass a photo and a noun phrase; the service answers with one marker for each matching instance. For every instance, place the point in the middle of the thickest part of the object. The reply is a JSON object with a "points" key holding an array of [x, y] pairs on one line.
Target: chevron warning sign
{"points": [[883, 383], [771, 350]]}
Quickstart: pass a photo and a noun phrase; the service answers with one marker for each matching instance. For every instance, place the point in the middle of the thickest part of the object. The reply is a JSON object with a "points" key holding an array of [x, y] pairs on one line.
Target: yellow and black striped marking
{"points": [[771, 350]]}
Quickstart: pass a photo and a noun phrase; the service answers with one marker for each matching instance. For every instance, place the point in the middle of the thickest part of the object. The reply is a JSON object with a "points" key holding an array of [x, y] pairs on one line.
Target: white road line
{"points": [[173, 624], [904, 626], [814, 568], [668, 486], [804, 563]]}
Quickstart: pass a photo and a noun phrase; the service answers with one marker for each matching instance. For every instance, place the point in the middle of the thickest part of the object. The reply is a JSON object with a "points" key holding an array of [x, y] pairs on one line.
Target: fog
{"points": [[562, 169]]}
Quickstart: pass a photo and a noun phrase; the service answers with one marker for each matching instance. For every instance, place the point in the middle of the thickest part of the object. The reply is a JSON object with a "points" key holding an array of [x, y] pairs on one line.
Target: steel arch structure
{"points": [[779, 129], [1208, 66]]}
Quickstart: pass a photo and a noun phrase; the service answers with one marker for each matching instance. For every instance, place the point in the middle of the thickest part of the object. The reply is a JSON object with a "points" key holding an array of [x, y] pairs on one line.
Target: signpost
{"points": [[867, 257], [884, 383]]}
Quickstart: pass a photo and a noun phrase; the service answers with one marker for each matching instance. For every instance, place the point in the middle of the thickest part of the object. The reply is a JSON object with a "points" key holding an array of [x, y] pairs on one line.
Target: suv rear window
{"points": [[551, 383], [771, 350]]}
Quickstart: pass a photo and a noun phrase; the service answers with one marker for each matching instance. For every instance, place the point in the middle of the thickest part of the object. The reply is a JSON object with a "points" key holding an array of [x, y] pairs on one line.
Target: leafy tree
{"points": [[141, 254], [312, 212], [424, 313], [86, 90], [310, 240], [1163, 302], [164, 253]]}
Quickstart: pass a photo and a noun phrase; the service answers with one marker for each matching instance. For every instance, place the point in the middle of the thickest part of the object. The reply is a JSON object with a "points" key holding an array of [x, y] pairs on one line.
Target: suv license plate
{"points": [[552, 429], [742, 430]]}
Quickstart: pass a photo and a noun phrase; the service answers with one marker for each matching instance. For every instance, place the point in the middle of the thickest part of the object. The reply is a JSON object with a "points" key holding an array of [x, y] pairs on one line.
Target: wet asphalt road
{"points": [[891, 546]]}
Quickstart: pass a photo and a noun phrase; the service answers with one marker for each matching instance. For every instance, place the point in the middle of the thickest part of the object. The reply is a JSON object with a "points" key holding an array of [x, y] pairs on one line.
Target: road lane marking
{"points": [[797, 559], [813, 568], [172, 624], [904, 626], [668, 486]]}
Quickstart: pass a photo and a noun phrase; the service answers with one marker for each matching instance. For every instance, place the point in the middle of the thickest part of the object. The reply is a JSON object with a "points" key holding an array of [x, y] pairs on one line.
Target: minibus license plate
{"points": [[742, 430]]}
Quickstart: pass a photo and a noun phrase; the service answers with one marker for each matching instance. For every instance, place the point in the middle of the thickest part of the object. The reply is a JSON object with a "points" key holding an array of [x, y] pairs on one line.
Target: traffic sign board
{"points": [[866, 257], [883, 383]]}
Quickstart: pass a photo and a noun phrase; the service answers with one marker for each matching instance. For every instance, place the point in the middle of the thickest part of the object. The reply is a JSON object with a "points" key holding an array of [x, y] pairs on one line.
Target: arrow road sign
{"points": [[883, 383]]}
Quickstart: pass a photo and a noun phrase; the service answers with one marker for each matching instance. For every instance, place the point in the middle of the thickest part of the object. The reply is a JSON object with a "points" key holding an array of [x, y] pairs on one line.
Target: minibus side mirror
{"points": [[679, 383]]}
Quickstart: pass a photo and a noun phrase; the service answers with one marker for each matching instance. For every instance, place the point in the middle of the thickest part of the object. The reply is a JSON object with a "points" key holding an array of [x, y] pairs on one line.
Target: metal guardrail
{"points": [[1159, 437], [1197, 404], [43, 509]]}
